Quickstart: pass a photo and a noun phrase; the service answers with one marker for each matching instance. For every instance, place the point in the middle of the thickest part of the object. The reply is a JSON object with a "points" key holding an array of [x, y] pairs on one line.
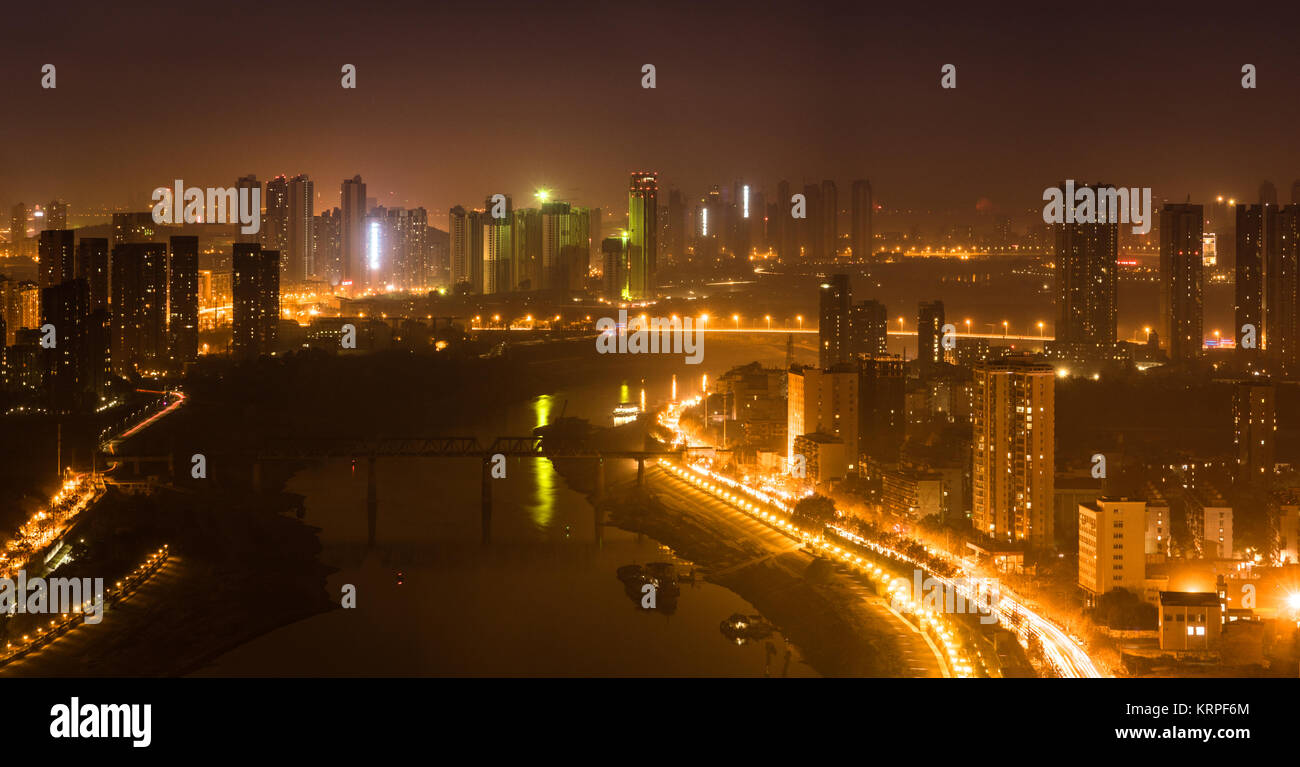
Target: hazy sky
{"points": [[458, 101]]}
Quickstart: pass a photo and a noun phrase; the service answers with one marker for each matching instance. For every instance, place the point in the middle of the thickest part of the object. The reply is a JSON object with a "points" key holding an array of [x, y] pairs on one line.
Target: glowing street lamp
{"points": [[1005, 326], [1147, 330], [1040, 328], [769, 321], [799, 318], [736, 319]]}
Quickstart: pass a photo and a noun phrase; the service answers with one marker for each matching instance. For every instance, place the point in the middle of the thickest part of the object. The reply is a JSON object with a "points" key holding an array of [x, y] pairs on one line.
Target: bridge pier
{"points": [[372, 501], [486, 508]]}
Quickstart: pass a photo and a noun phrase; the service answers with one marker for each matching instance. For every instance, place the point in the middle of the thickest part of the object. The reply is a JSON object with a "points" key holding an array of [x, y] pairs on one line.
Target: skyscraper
{"points": [[782, 224], [643, 234], [825, 402], [139, 323], [1086, 281], [352, 202], [92, 266], [327, 246], [56, 259], [56, 215], [929, 333], [882, 425], [458, 228], [812, 234], [614, 267], [1282, 281], [1181, 284], [564, 236], [275, 226], [869, 326], [498, 250], [249, 182], [299, 242], [65, 307], [1013, 444], [1251, 259], [860, 236], [1254, 429], [834, 299], [183, 300], [255, 283]]}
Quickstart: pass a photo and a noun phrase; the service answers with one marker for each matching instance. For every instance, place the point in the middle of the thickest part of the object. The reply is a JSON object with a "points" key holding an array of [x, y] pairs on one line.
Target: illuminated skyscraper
{"points": [[299, 243], [56, 215], [352, 202], [92, 266], [882, 424], [1013, 450], [56, 262], [498, 249], [1251, 259], [869, 326], [69, 380], [1254, 429], [860, 236], [1282, 292], [139, 287], [1087, 281], [529, 242], [255, 284], [327, 246], [929, 333], [1181, 285], [834, 299], [458, 232], [643, 234], [183, 300], [565, 232], [275, 226]]}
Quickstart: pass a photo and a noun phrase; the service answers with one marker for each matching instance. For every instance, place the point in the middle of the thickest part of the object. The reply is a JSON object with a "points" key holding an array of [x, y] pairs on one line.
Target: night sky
{"points": [[457, 101]]}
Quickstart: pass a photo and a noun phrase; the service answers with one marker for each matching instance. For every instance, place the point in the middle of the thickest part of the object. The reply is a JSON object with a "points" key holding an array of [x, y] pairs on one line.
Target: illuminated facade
{"points": [[256, 287], [1181, 285], [1254, 429], [1013, 450], [1087, 281], [833, 337], [643, 234]]}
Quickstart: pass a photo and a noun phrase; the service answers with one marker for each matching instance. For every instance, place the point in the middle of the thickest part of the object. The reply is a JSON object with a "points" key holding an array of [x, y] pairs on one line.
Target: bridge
{"points": [[427, 447]]}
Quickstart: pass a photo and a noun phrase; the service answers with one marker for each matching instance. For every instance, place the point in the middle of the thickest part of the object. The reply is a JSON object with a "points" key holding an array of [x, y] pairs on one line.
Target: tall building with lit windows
{"points": [[55, 263], [1254, 421], [498, 250], [1282, 293], [1249, 285], [255, 283], [929, 333], [834, 297], [643, 234], [564, 247], [614, 267], [275, 226], [183, 300], [300, 261], [1087, 282], [1013, 450], [139, 307], [352, 203], [1181, 284], [824, 402]]}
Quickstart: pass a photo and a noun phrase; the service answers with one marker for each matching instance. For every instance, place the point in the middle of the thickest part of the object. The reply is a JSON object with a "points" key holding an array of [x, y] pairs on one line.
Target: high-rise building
{"points": [[183, 300], [596, 233], [643, 234], [834, 299], [1087, 281], [275, 225], [300, 260], [677, 227], [1112, 553], [1254, 429], [614, 269], [18, 216], [564, 246], [327, 245], [1251, 259], [830, 219], [860, 236], [882, 391], [782, 225], [255, 283], [56, 215], [929, 333], [1181, 284], [352, 202], [1282, 291], [250, 182], [1013, 450], [20, 305], [91, 265], [812, 233], [458, 231], [869, 328], [498, 250], [139, 308], [65, 306], [56, 261], [1267, 193], [134, 228], [823, 402]]}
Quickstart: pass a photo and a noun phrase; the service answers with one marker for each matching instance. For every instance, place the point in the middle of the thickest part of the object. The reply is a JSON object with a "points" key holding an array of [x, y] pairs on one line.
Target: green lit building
{"points": [[643, 239]]}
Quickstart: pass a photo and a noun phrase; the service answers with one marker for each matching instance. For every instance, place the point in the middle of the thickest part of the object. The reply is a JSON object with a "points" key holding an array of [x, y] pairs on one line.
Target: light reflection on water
{"points": [[542, 599]]}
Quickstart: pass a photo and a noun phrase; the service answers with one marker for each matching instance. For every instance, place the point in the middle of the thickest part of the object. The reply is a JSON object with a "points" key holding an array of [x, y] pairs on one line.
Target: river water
{"points": [[542, 599]]}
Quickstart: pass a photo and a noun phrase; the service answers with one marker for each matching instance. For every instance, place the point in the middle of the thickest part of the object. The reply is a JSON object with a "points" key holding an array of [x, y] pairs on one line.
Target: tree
{"points": [[814, 509]]}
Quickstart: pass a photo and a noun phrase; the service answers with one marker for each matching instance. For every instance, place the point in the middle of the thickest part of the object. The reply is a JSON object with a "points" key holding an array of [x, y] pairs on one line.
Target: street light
{"points": [[1040, 328], [736, 319], [769, 321], [799, 317], [1004, 328]]}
